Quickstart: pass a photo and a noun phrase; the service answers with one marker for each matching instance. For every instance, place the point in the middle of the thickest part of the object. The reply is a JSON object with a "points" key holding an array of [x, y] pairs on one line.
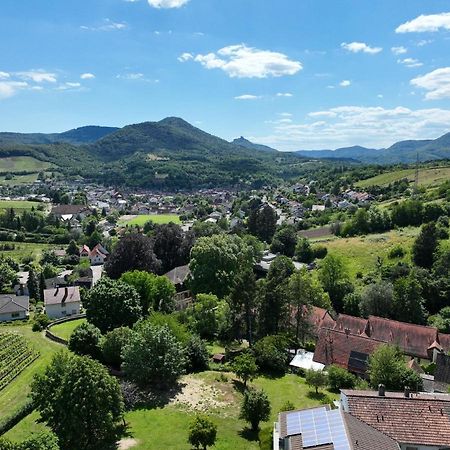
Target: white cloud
{"points": [[247, 97], [185, 57], [360, 47], [424, 23], [345, 83], [108, 25], [410, 62], [284, 94], [424, 42], [38, 76], [87, 76], [399, 50], [4, 75], [380, 96], [165, 4], [135, 76], [241, 61], [10, 88], [373, 127], [437, 83], [285, 114], [69, 86]]}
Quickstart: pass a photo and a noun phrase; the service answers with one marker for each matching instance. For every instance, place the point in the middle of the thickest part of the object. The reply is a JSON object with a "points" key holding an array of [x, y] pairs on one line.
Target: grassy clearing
{"points": [[25, 249], [16, 393], [155, 218], [361, 252], [23, 163], [19, 179], [427, 177], [18, 205], [64, 330]]}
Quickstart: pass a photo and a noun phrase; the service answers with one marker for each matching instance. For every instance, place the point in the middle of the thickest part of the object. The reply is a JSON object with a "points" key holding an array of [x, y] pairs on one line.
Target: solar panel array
{"points": [[319, 426]]}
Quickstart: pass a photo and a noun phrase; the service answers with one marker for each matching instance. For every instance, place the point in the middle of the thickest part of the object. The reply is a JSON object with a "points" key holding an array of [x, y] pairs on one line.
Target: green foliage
{"points": [[245, 368], [170, 321], [271, 353], [262, 222], [377, 300], [351, 304], [339, 378], [303, 251], [7, 276], [287, 406], [42, 441], [202, 315], [255, 407], [284, 241], [202, 432], [441, 320], [113, 343], [40, 322], [396, 252], [143, 283], [425, 246], [316, 378], [408, 301], [79, 401], [196, 354], [111, 304], [85, 340], [153, 355]]}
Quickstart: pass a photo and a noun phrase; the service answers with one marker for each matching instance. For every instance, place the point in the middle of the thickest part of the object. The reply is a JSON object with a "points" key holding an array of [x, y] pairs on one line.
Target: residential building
{"points": [[62, 302], [14, 307]]}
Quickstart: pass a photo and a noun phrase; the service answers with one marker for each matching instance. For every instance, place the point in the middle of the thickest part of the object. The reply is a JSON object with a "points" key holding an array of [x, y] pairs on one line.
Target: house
{"points": [[14, 307], [356, 325], [318, 208], [179, 276], [67, 212], [319, 318], [21, 288], [323, 428], [416, 421], [62, 302], [97, 255]]}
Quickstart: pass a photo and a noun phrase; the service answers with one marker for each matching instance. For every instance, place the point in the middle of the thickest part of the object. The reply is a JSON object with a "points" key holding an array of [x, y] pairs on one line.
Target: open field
{"points": [[361, 252], [155, 218], [23, 163], [18, 205], [427, 177], [19, 179], [25, 249], [64, 330]]}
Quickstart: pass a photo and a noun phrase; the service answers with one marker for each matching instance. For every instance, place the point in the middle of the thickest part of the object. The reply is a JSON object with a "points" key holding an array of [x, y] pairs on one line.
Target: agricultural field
{"points": [[65, 329], [18, 205], [427, 177], [142, 219], [23, 250], [14, 164], [361, 252], [18, 179]]}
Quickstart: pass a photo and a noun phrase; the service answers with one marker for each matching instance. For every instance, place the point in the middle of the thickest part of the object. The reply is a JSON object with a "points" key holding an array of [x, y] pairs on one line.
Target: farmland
{"points": [[21, 250], [16, 164], [155, 218]]}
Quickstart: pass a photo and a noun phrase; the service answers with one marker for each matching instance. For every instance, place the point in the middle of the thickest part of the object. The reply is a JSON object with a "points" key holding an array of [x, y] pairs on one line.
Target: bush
{"points": [[396, 252], [271, 354], [319, 251], [40, 322], [113, 343], [14, 419], [339, 378], [197, 354], [85, 340]]}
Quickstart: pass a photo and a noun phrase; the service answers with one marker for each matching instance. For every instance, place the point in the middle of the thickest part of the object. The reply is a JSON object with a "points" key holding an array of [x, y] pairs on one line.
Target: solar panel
{"points": [[318, 426]]}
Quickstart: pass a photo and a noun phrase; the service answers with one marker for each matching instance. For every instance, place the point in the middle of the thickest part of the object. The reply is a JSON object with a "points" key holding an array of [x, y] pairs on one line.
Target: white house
{"points": [[14, 307], [62, 302]]}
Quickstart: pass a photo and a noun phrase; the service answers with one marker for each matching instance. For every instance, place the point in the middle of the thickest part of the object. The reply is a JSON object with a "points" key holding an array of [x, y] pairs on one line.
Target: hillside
{"points": [[248, 144]]}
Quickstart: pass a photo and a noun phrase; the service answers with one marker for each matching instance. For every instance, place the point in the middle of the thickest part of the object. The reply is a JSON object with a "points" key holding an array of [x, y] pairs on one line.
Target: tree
{"points": [[271, 353], [316, 379], [441, 320], [41, 441], [303, 251], [111, 304], [333, 275], [245, 368], [197, 354], [408, 301], [425, 245], [153, 356], [79, 401], [284, 241], [339, 378], [133, 252], [387, 366], [143, 283], [255, 408], [262, 222], [216, 261], [32, 284], [202, 315], [85, 340], [72, 248], [377, 300], [7, 276], [202, 432], [162, 295], [113, 343]]}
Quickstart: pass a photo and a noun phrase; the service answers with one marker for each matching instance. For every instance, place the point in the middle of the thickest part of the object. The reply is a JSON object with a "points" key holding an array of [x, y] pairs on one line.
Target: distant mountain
{"points": [[400, 152], [247, 144], [77, 136]]}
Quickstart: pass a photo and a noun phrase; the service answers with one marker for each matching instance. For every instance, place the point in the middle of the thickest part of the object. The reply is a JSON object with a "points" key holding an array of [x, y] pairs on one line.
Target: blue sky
{"points": [[293, 74]]}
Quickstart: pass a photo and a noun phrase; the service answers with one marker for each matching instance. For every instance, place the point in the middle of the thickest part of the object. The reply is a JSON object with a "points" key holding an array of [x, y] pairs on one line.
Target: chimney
{"points": [[56, 292], [381, 390], [347, 331], [66, 293], [407, 392]]}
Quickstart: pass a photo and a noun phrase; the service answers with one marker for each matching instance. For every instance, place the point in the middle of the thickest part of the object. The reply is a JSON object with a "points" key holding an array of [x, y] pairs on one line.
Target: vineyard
{"points": [[15, 355]]}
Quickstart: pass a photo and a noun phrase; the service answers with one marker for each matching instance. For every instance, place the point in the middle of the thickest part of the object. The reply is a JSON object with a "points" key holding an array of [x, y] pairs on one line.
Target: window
{"points": [[15, 314], [74, 311], [412, 448]]}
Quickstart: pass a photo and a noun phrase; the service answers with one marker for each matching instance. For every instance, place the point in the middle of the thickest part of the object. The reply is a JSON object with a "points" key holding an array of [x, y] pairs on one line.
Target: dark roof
{"points": [[413, 339], [442, 372], [319, 318], [68, 294], [178, 275], [336, 347], [421, 419], [69, 209], [356, 325], [13, 303], [444, 340]]}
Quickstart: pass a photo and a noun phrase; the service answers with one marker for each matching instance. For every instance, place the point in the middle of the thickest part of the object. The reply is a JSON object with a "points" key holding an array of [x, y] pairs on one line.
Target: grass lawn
{"points": [[18, 205], [19, 179], [361, 252], [23, 163], [64, 330], [22, 249], [15, 394], [143, 218], [427, 177]]}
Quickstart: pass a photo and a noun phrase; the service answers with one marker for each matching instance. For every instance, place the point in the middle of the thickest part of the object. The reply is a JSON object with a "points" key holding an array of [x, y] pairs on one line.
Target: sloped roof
{"points": [[69, 209], [336, 347], [319, 318], [356, 325], [69, 294], [178, 275], [421, 419], [413, 339], [14, 303]]}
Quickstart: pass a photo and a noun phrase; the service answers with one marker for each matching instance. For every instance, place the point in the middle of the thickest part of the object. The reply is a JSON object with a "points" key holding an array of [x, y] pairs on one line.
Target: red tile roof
{"points": [[335, 347], [356, 325], [414, 340], [318, 318], [422, 419]]}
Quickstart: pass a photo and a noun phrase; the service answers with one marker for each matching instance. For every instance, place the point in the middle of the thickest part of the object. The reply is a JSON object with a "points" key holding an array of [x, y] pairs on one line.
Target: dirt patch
{"points": [[316, 233], [126, 443], [197, 395]]}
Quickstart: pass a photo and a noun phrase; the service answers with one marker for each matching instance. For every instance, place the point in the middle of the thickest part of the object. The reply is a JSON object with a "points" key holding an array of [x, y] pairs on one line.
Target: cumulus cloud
{"points": [[167, 4], [284, 94], [410, 62], [10, 88], [241, 61], [87, 76], [135, 76], [399, 50], [345, 83], [360, 47], [426, 23], [437, 83], [373, 127], [38, 76], [185, 57], [247, 97], [4, 75]]}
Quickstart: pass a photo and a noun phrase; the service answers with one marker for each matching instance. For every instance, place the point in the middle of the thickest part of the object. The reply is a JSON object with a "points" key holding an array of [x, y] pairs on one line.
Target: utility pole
{"points": [[416, 177]]}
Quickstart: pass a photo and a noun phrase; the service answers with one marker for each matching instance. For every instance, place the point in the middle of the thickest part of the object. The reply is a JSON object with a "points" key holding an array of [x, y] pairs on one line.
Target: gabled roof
{"points": [[356, 325], [413, 339], [319, 318], [14, 303], [69, 294], [178, 275], [62, 210], [343, 349], [421, 419]]}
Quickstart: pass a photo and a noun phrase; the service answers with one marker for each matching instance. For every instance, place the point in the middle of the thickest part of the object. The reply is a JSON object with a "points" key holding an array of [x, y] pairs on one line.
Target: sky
{"points": [[292, 74]]}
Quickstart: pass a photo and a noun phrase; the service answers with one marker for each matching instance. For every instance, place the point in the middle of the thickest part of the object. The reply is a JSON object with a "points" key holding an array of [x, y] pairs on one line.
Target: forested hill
{"points": [[248, 144]]}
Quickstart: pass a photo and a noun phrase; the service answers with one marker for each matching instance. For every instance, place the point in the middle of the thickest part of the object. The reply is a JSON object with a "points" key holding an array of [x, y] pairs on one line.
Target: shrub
{"points": [[85, 340], [202, 432], [40, 322], [113, 343], [396, 252], [339, 378], [271, 354], [197, 354], [320, 251]]}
